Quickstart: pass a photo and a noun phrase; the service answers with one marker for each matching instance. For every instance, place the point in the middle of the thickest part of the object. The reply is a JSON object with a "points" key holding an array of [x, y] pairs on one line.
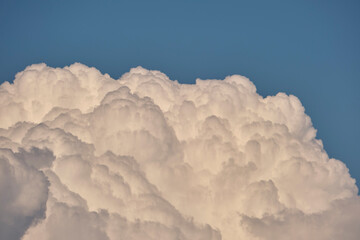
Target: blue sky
{"points": [[307, 48]]}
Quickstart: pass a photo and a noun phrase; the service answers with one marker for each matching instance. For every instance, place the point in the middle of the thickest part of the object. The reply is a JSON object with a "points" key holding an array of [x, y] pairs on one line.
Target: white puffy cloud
{"points": [[84, 156]]}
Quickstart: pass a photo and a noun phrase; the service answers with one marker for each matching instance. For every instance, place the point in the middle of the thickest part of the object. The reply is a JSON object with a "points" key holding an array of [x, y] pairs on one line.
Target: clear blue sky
{"points": [[307, 48]]}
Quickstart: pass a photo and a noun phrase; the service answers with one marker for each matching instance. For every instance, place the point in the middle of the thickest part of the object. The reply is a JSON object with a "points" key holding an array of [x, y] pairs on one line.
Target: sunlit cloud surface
{"points": [[85, 156]]}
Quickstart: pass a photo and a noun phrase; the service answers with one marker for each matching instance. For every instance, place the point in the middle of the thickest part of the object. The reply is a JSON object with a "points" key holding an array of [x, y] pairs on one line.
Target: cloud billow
{"points": [[84, 156]]}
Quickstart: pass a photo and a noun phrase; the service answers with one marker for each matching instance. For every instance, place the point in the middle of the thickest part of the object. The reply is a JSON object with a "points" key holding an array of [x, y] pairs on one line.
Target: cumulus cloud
{"points": [[84, 156]]}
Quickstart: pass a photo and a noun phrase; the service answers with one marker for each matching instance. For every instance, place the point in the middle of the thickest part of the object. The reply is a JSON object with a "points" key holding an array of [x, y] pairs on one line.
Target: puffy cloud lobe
{"points": [[85, 156], [335, 223], [24, 192]]}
